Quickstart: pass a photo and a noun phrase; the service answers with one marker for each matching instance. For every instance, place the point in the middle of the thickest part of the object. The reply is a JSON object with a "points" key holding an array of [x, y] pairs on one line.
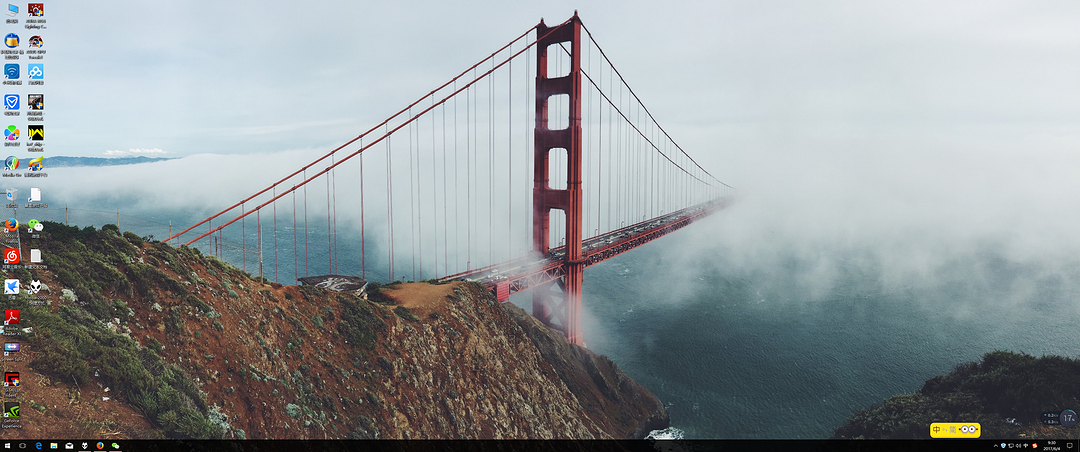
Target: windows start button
{"points": [[955, 430]]}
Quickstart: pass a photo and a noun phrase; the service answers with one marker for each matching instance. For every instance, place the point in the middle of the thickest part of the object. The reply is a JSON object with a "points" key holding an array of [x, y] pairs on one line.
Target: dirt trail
{"points": [[422, 298]]}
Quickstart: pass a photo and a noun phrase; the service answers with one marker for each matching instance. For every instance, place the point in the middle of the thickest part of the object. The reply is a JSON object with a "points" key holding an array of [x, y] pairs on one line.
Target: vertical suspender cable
{"points": [[412, 210], [296, 259], [390, 211], [510, 159], [307, 270], [468, 176], [363, 233], [276, 279], [329, 235], [243, 241]]}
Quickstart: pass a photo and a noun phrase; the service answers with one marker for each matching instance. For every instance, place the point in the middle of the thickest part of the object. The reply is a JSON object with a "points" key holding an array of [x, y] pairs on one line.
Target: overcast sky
{"points": [[833, 118], [197, 77]]}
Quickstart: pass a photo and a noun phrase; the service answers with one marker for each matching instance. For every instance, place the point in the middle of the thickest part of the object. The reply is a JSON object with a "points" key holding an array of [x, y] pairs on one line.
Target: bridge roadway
{"points": [[513, 276]]}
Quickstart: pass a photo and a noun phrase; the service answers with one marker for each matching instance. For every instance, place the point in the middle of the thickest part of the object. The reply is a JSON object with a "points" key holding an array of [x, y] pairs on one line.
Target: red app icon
{"points": [[11, 255], [11, 316], [11, 378]]}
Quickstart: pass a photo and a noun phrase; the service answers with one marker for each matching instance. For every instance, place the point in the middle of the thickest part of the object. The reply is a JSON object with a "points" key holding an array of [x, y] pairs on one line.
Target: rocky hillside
{"points": [[143, 340], [1005, 392]]}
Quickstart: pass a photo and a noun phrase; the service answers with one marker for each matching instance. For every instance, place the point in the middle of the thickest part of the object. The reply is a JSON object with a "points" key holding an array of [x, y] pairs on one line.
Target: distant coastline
{"points": [[64, 162]]}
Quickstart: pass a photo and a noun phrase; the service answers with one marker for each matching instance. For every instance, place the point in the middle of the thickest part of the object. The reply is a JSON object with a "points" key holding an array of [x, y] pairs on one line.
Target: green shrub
{"points": [[404, 313], [70, 346], [359, 325], [198, 303], [130, 236]]}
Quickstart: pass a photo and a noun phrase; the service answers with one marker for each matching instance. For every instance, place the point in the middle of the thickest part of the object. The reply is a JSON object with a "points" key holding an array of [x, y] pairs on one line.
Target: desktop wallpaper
{"points": [[900, 243]]}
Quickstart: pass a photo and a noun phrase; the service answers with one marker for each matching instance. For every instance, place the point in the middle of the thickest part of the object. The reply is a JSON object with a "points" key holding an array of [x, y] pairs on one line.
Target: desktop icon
{"points": [[11, 347], [11, 287], [35, 101], [36, 71], [12, 9], [11, 409], [11, 255], [36, 164], [11, 317], [34, 226], [11, 164], [35, 42], [12, 194], [11, 71], [11, 225], [35, 132], [11, 133], [11, 378], [36, 9], [35, 286], [35, 256], [35, 195], [11, 40], [11, 101]]}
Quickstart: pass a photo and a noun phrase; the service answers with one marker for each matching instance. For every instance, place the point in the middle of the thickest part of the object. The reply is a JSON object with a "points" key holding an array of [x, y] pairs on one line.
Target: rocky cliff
{"points": [[138, 339]]}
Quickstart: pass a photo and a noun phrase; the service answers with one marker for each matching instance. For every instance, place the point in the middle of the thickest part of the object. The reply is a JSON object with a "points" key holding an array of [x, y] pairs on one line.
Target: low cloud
{"points": [[133, 152]]}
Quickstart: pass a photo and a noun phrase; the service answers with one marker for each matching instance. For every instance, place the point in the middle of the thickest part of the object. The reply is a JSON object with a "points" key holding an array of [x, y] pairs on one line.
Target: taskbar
{"points": [[121, 445]]}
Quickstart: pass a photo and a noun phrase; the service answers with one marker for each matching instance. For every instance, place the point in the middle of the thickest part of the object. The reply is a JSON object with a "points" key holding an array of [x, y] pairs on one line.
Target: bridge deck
{"points": [[524, 273]]}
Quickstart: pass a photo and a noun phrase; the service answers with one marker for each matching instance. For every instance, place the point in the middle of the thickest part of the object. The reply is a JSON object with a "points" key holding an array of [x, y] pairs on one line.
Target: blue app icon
{"points": [[36, 71], [11, 101], [11, 71]]}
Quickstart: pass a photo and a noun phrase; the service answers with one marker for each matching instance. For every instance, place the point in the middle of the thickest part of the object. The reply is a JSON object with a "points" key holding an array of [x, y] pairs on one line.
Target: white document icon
{"points": [[35, 256], [35, 195]]}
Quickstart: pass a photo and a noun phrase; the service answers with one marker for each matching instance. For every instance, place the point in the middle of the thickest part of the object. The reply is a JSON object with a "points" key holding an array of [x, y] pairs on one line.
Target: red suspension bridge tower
{"points": [[652, 186], [563, 305]]}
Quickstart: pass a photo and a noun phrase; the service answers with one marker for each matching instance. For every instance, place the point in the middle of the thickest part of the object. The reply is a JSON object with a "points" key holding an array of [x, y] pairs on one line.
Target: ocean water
{"points": [[747, 353]]}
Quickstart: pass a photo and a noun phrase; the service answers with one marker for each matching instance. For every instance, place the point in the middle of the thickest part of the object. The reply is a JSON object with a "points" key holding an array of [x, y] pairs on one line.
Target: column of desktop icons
{"points": [[31, 47]]}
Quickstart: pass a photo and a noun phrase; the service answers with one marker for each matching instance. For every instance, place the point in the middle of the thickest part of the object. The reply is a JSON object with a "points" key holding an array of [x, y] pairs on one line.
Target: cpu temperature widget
{"points": [[86, 446]]}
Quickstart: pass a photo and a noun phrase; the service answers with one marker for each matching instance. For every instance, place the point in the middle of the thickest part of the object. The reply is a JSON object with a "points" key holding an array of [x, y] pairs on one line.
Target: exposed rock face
{"points": [[255, 360], [628, 409], [509, 376]]}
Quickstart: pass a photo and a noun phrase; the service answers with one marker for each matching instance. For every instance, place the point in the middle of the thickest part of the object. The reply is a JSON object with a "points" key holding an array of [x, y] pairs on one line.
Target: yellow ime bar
{"points": [[955, 430]]}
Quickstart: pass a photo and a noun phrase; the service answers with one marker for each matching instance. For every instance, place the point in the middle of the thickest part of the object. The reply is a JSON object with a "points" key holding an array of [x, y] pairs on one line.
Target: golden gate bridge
{"points": [[547, 109]]}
